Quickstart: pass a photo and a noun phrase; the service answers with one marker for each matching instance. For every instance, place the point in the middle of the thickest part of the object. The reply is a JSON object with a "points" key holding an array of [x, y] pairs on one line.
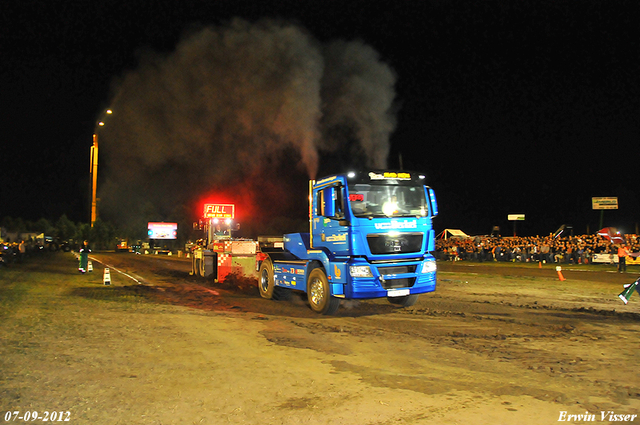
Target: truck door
{"points": [[330, 225]]}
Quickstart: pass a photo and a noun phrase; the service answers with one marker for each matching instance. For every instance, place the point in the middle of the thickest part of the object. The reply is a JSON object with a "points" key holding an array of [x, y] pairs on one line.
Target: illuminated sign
{"points": [[356, 197], [219, 211], [163, 230], [604, 203], [389, 176]]}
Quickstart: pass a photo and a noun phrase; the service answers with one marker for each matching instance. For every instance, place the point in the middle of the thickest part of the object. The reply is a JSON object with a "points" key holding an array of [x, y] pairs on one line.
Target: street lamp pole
{"points": [[93, 170]]}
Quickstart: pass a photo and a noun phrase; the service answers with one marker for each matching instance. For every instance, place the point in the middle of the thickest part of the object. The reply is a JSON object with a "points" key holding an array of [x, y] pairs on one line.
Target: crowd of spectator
{"points": [[16, 252], [548, 249], [12, 252]]}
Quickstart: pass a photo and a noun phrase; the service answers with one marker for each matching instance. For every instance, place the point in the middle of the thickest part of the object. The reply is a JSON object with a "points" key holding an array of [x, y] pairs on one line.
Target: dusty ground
{"points": [[495, 344]]}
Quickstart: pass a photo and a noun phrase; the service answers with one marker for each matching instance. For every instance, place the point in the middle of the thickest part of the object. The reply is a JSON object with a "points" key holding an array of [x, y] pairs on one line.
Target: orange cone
{"points": [[539, 264], [559, 270]]}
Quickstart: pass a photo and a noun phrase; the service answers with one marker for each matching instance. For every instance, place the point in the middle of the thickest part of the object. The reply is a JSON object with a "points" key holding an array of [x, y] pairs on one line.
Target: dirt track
{"points": [[494, 344]]}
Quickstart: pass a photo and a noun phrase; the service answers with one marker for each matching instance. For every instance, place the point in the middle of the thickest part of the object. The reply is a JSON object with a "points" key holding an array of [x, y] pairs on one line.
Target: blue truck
{"points": [[370, 236]]}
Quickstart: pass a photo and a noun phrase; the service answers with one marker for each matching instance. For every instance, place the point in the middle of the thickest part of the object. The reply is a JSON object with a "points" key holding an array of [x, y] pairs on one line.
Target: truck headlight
{"points": [[360, 271], [429, 267]]}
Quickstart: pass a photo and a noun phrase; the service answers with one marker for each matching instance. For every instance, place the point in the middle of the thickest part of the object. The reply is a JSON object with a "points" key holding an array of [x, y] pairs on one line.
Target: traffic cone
{"points": [[626, 294], [89, 266], [106, 277], [559, 270], [539, 264]]}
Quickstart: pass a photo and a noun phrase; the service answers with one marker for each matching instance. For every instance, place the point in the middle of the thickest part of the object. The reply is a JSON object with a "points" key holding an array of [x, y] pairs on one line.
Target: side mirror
{"points": [[433, 202]]}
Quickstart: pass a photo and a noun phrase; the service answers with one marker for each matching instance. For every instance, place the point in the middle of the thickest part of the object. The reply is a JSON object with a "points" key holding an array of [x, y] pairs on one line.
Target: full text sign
{"points": [[219, 211]]}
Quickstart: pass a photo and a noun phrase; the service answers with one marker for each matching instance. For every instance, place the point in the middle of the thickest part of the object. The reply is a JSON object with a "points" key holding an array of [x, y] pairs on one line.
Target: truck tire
{"points": [[266, 282], [319, 293], [197, 266], [405, 301], [267, 285]]}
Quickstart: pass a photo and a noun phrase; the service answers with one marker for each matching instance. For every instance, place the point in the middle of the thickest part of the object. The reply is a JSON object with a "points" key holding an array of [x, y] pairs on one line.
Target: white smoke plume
{"points": [[237, 103]]}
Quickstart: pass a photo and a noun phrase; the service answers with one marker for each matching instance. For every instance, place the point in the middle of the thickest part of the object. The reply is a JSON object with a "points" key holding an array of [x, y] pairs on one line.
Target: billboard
{"points": [[219, 211], [610, 203], [163, 230]]}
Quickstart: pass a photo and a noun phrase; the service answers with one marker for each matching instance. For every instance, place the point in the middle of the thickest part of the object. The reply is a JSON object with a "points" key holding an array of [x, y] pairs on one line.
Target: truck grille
{"points": [[398, 283], [384, 243], [397, 269]]}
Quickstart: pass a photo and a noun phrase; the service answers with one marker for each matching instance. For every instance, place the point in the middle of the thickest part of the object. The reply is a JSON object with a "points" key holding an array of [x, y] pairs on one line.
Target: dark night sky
{"points": [[509, 106]]}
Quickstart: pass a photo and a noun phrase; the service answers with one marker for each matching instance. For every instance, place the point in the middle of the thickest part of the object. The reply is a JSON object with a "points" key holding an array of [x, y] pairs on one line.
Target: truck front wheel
{"points": [[319, 293]]}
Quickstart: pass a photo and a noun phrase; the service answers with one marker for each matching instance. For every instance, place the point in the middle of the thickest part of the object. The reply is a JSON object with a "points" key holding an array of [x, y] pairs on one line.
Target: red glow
{"points": [[264, 202], [242, 196]]}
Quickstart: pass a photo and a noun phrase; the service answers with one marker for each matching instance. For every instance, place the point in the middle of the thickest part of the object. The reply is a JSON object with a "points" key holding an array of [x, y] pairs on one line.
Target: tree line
{"points": [[63, 230]]}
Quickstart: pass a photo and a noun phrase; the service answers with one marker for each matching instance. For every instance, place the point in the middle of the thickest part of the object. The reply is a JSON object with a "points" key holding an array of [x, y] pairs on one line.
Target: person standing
{"points": [[22, 251], [545, 251], [84, 257], [623, 252]]}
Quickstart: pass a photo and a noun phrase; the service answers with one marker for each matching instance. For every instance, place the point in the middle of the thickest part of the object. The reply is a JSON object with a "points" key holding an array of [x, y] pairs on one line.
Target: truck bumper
{"points": [[412, 281], [372, 289]]}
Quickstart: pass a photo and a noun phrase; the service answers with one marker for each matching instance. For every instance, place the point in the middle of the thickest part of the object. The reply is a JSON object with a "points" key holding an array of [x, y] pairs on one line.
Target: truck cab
{"points": [[370, 236]]}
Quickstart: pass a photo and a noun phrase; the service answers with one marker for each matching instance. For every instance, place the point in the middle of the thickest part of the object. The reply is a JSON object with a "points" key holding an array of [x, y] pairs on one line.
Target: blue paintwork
{"points": [[337, 243]]}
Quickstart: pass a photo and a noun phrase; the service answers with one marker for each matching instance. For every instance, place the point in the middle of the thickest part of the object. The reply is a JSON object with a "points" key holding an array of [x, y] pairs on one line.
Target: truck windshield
{"points": [[368, 200]]}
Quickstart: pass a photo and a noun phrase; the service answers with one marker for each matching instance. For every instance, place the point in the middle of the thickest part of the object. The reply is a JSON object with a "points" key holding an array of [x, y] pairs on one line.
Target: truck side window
{"points": [[330, 202], [325, 203], [319, 203], [339, 202]]}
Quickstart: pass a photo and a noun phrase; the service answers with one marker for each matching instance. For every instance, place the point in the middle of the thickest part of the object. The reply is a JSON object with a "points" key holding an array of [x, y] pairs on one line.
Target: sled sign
{"points": [[604, 203]]}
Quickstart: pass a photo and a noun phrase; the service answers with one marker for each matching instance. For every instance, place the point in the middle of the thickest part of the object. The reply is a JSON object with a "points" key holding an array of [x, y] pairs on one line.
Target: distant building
{"points": [[18, 236]]}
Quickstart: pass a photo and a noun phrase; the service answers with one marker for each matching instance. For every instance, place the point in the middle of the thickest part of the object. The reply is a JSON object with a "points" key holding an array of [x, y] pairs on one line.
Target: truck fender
{"points": [[336, 279], [260, 257], [315, 264]]}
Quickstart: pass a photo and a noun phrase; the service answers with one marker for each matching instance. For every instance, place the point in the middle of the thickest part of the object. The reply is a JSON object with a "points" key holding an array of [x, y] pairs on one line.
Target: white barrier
{"points": [[604, 258], [613, 259]]}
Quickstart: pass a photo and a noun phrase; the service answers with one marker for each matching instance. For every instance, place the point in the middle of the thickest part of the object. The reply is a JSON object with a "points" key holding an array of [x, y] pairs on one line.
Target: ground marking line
{"points": [[139, 282]]}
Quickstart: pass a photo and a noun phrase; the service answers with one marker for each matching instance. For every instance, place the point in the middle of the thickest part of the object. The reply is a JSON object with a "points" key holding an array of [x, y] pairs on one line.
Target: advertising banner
{"points": [[163, 230], [604, 203]]}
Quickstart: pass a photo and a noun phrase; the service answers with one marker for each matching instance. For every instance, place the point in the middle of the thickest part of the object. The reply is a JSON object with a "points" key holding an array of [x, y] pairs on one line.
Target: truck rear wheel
{"points": [[405, 301], [267, 285], [266, 281], [319, 293], [197, 267]]}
